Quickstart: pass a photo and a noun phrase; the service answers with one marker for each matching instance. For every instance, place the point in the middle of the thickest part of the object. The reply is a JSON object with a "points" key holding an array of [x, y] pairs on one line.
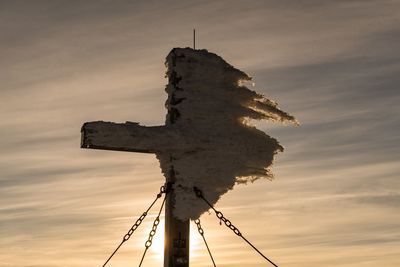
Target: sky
{"points": [[333, 64]]}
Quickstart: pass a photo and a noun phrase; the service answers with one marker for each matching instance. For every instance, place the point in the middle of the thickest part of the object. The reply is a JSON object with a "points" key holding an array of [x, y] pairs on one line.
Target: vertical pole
{"points": [[194, 39], [177, 233]]}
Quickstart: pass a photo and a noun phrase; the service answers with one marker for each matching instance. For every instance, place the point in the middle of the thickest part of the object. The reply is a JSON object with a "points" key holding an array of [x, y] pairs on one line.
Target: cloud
{"points": [[334, 64]]}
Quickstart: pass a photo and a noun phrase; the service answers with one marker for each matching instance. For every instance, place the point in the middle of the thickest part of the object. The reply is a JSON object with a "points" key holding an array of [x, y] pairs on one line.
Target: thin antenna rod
{"points": [[194, 39]]}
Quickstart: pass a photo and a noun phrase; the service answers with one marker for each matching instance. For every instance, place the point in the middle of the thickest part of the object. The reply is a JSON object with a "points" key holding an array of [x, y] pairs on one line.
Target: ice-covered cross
{"points": [[206, 142]]}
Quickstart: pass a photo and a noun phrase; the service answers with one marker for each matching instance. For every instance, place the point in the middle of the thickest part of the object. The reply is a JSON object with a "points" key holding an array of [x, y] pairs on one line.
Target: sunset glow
{"points": [[334, 200]]}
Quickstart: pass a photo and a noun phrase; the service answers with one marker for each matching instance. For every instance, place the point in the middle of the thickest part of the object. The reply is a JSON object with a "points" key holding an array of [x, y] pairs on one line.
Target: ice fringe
{"points": [[208, 106], [205, 142]]}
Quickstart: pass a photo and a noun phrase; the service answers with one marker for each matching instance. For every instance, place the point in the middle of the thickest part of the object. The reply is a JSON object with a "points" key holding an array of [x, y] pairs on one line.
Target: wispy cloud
{"points": [[332, 64]]}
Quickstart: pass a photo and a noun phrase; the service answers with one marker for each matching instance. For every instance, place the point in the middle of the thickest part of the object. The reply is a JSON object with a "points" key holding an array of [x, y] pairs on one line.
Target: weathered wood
{"points": [[177, 233], [132, 137], [127, 136], [205, 139]]}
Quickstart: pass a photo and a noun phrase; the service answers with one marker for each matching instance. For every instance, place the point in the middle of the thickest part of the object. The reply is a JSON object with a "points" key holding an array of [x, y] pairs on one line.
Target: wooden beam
{"points": [[177, 234], [127, 136], [133, 137]]}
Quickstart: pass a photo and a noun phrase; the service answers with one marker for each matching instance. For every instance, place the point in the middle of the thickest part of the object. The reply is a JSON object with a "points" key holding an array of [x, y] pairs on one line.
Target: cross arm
{"points": [[127, 136]]}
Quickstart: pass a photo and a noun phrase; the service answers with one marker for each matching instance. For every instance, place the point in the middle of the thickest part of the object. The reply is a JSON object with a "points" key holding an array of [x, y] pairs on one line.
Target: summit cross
{"points": [[205, 143], [132, 137]]}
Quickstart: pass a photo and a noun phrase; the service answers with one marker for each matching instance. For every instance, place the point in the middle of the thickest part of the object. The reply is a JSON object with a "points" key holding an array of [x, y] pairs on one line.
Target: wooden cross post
{"points": [[204, 143], [133, 137], [129, 137]]}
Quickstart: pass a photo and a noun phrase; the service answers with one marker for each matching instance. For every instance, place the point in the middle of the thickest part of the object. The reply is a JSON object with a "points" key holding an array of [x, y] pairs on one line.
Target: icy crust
{"points": [[128, 136], [208, 106]]}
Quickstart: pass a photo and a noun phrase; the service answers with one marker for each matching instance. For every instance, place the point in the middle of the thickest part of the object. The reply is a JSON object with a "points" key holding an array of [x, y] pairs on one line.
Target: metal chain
{"points": [[201, 232], [153, 231], [228, 223], [163, 190]]}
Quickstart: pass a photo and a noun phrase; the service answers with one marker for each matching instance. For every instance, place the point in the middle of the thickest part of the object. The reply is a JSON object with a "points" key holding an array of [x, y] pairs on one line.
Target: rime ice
{"points": [[205, 141]]}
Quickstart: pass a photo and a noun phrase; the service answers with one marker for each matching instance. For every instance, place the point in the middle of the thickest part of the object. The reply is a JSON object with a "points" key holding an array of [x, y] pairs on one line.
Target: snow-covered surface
{"points": [[210, 104], [206, 139]]}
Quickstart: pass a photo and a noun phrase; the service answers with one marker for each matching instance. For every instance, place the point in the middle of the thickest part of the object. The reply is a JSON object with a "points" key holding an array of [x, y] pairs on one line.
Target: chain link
{"points": [[219, 214], [228, 223], [201, 232], [163, 190], [199, 229], [143, 216], [153, 231]]}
